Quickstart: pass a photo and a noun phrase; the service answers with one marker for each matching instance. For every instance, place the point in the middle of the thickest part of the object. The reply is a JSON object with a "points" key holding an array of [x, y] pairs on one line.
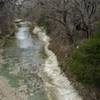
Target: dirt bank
{"points": [[59, 46]]}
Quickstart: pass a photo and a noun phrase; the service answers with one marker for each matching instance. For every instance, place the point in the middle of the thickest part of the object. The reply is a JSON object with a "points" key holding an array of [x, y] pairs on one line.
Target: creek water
{"points": [[22, 67], [31, 65]]}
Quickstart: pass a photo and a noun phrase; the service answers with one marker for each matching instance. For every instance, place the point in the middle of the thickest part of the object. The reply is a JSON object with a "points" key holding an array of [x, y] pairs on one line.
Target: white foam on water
{"points": [[24, 39], [59, 88]]}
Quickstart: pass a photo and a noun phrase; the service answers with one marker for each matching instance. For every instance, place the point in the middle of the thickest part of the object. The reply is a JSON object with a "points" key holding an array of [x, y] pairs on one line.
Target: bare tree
{"points": [[80, 14], [84, 15], [7, 11], [58, 10], [71, 14]]}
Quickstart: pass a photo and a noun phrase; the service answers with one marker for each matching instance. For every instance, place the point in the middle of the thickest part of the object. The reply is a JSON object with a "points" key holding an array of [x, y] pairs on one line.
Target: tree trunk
{"points": [[69, 35], [70, 39]]}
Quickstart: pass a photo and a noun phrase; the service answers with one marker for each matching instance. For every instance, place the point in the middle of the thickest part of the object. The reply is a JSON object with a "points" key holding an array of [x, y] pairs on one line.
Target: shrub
{"points": [[85, 62]]}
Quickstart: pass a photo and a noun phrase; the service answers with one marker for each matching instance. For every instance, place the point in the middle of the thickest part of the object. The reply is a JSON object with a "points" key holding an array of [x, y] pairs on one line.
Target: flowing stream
{"points": [[22, 68], [32, 70]]}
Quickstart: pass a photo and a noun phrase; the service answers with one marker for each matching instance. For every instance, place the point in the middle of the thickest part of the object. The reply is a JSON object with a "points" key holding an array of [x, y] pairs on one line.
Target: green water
{"points": [[22, 66]]}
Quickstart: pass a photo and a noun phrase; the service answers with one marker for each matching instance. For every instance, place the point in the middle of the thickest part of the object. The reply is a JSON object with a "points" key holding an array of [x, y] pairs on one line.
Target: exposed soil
{"points": [[59, 47]]}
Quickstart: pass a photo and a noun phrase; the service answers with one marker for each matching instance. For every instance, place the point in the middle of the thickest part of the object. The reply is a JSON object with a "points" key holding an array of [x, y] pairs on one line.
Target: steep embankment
{"points": [[58, 86], [59, 46]]}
